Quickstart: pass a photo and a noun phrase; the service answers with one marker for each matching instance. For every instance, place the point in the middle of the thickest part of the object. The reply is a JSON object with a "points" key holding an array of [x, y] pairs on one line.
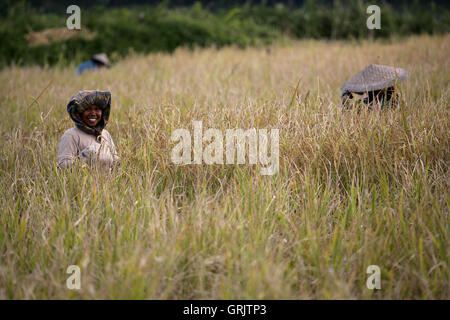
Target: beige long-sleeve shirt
{"points": [[76, 144]]}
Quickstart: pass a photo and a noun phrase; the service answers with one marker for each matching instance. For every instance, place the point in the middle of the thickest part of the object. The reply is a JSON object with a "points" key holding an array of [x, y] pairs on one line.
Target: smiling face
{"points": [[92, 115]]}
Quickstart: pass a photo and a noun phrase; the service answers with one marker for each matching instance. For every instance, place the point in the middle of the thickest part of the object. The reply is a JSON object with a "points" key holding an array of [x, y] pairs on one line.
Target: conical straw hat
{"points": [[374, 77], [102, 58]]}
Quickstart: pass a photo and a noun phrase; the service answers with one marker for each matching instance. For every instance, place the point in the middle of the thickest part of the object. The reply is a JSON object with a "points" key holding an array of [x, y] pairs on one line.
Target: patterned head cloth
{"points": [[84, 99]]}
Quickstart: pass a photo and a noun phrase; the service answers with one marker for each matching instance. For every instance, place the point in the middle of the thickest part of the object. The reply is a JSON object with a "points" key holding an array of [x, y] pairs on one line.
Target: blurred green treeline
{"points": [[117, 30]]}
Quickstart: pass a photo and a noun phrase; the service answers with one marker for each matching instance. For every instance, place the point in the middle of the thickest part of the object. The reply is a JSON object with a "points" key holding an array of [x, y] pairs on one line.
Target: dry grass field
{"points": [[353, 190]]}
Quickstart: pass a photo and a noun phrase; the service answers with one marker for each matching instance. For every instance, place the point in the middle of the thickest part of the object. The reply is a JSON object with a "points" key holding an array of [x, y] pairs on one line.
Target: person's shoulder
{"points": [[106, 133], [70, 132], [73, 133], [86, 65], [68, 139]]}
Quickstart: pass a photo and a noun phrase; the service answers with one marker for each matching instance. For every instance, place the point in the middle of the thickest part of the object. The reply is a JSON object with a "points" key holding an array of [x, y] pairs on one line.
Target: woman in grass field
{"points": [[88, 141]]}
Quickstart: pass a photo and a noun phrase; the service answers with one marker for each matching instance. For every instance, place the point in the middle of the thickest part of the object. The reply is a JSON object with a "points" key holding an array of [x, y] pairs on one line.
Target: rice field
{"points": [[353, 190]]}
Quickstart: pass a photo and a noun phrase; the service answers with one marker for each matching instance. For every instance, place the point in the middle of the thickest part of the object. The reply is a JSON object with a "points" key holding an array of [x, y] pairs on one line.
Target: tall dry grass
{"points": [[353, 189]]}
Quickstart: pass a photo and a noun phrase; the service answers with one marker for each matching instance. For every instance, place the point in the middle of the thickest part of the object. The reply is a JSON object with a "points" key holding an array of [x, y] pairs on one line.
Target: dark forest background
{"points": [[52, 5], [119, 27]]}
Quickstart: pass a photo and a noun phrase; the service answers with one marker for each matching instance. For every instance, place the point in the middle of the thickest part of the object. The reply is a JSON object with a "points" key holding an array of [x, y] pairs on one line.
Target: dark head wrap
{"points": [[83, 100]]}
